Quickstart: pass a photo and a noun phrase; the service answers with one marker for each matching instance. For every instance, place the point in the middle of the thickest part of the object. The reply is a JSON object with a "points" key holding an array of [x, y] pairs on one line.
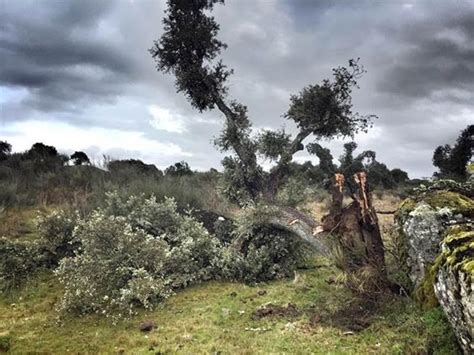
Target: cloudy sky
{"points": [[78, 75]]}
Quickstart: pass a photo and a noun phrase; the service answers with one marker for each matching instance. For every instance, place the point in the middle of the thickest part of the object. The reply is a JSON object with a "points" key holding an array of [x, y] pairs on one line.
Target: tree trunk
{"points": [[302, 226], [295, 222], [356, 232]]}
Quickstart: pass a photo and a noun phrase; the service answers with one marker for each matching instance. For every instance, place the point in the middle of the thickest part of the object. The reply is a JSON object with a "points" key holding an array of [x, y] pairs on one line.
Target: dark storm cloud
{"points": [[436, 55], [55, 50], [85, 63]]}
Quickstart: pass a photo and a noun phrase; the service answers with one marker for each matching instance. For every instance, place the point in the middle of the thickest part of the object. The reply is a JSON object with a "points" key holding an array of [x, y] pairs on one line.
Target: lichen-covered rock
{"points": [[453, 284], [439, 237], [424, 221], [423, 229]]}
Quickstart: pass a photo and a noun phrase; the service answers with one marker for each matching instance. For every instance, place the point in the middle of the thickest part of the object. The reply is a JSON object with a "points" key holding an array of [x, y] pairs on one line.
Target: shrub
{"points": [[134, 252], [18, 261], [56, 232], [265, 252], [115, 268], [294, 193]]}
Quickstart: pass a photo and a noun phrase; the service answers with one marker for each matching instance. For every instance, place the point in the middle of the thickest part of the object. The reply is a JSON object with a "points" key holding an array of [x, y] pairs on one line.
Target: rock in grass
{"points": [[147, 326]]}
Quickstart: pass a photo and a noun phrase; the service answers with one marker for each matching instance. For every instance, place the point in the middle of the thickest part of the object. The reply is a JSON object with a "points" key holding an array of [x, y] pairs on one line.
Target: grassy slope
{"points": [[209, 318]]}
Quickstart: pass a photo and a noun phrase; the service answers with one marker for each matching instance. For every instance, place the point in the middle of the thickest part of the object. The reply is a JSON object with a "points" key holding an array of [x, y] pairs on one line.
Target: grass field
{"points": [[310, 313], [217, 318]]}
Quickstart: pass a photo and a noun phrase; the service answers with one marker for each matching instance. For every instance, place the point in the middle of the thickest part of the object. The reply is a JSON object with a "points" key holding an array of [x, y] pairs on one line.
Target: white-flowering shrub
{"points": [[115, 268], [134, 253], [56, 235]]}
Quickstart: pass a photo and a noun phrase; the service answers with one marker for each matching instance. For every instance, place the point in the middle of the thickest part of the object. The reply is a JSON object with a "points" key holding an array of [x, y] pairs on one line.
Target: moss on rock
{"points": [[457, 254], [405, 208], [458, 250], [457, 203]]}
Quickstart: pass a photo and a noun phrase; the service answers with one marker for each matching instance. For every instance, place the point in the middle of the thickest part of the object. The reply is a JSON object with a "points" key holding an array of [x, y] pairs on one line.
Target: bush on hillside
{"points": [[18, 261], [56, 235], [134, 252]]}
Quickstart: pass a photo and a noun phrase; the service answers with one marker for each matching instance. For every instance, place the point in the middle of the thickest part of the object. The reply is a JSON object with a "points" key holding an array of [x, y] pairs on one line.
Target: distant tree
{"points": [[42, 151], [324, 155], [188, 49], [178, 169], [379, 175], [80, 158], [5, 150], [347, 158], [128, 168], [452, 161], [399, 176]]}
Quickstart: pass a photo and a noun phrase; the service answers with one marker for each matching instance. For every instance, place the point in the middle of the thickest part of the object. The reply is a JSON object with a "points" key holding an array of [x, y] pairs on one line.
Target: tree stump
{"points": [[355, 231]]}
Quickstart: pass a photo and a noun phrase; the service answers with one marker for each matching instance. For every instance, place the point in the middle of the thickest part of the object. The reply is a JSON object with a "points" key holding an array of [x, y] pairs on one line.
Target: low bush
{"points": [[115, 268], [264, 252], [18, 261], [56, 235], [135, 252]]}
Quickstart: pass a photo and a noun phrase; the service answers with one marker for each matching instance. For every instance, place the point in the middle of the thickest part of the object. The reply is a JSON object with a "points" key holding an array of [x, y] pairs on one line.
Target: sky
{"points": [[77, 75]]}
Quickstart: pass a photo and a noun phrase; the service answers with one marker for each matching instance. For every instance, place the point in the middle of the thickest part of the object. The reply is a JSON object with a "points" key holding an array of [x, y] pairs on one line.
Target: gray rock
{"points": [[454, 290], [423, 229]]}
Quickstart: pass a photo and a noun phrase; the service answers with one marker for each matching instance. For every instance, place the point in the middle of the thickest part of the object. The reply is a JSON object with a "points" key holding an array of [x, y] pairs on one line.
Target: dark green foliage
{"points": [[80, 158], [188, 48], [178, 169], [55, 230], [224, 230], [129, 167], [326, 109], [5, 150], [238, 184], [399, 176], [347, 158], [380, 176], [5, 343], [18, 261], [378, 173], [324, 155], [266, 254], [271, 144], [42, 151], [452, 160]]}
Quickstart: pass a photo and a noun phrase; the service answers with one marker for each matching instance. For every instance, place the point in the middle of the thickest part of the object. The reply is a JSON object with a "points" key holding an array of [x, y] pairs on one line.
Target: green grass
{"points": [[216, 318]]}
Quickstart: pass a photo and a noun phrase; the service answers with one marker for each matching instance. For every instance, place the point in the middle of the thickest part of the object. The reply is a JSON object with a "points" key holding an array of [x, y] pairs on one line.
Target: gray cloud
{"points": [[86, 63], [55, 50], [436, 56]]}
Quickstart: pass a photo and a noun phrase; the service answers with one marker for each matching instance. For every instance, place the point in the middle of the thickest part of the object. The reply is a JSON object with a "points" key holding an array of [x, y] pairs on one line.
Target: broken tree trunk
{"points": [[356, 232], [302, 226], [289, 220]]}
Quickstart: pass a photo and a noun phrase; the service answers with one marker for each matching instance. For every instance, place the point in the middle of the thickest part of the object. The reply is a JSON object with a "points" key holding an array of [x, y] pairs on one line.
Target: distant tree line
{"points": [[451, 161]]}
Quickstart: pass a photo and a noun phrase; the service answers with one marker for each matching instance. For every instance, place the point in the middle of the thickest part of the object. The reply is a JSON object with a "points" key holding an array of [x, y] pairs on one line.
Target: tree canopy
{"points": [[80, 158], [452, 160], [189, 49], [5, 149]]}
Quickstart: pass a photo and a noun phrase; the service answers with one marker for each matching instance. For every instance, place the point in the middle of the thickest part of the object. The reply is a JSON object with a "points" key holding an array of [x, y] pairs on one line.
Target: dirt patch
{"points": [[355, 316], [271, 310]]}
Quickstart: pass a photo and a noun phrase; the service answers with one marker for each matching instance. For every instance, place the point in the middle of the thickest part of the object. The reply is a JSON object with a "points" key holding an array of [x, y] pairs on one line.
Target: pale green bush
{"points": [[115, 268], [56, 235], [133, 253]]}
